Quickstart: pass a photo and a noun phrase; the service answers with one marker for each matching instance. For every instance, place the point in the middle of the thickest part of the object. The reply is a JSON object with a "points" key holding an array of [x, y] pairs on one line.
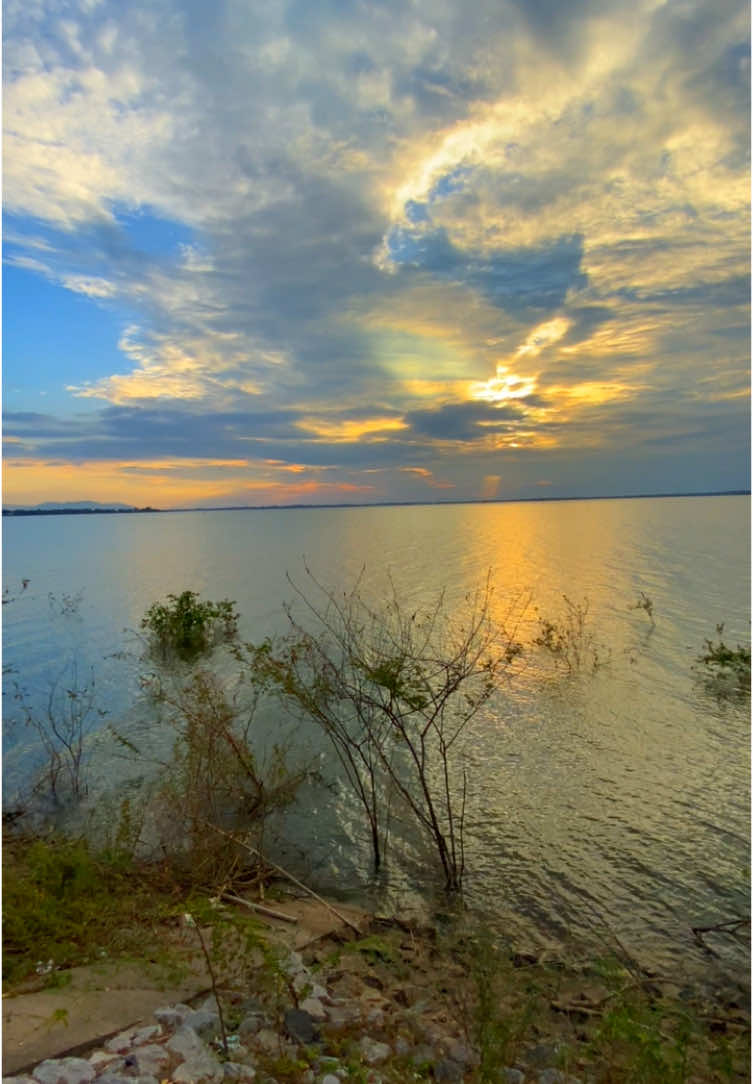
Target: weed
{"points": [[58, 1016]]}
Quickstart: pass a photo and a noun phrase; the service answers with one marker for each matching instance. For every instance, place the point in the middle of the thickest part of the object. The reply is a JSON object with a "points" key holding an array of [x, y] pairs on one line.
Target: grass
{"points": [[65, 904]]}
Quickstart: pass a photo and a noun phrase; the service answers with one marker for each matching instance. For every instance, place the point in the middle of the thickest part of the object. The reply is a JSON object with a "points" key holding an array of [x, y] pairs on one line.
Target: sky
{"points": [[328, 251]]}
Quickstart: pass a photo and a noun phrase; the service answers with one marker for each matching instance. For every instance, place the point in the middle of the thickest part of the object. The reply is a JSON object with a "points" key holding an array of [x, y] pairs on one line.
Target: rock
{"points": [[209, 1004], [373, 1052], [294, 964], [122, 1043], [330, 1078], [204, 1023], [199, 1063], [542, 1055], [114, 1078], [234, 1070], [340, 1016], [28, 1080], [556, 1076], [315, 1009], [202, 1069], [185, 1043], [268, 1041], [449, 1070], [151, 1059], [64, 1071], [251, 1024], [300, 1026], [102, 1059], [171, 1017], [462, 1054], [512, 1076]]}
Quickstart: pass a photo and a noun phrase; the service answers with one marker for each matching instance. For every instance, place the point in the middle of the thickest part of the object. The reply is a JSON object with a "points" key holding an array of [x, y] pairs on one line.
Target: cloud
{"points": [[340, 234]]}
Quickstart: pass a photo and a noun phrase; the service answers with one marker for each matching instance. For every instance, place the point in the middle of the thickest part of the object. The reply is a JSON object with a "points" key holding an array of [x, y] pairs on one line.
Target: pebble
{"points": [[374, 1052]]}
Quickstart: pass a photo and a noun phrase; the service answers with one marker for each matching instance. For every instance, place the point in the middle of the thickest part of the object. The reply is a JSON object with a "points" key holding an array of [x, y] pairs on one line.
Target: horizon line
{"points": [[103, 508]]}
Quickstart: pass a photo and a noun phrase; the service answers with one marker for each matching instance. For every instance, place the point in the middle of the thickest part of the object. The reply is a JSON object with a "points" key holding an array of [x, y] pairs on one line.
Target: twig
{"points": [[284, 873], [731, 926], [214, 985], [262, 910]]}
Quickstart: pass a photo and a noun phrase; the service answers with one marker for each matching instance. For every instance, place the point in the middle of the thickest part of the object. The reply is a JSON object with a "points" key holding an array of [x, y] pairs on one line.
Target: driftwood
{"points": [[260, 908], [288, 876]]}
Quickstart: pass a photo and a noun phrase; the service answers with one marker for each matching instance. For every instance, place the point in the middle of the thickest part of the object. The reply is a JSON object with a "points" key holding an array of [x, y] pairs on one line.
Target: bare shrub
{"points": [[393, 689]]}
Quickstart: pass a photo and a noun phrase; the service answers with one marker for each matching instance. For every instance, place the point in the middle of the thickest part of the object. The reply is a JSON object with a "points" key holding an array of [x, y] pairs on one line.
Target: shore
{"points": [[320, 998]]}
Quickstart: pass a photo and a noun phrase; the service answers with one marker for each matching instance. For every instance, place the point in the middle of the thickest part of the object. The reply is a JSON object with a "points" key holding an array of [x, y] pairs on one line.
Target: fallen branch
{"points": [[284, 873], [261, 910]]}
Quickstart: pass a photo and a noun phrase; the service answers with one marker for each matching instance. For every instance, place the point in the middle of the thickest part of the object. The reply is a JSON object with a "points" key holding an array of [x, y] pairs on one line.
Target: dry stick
{"points": [[290, 877], [214, 986], [262, 910]]}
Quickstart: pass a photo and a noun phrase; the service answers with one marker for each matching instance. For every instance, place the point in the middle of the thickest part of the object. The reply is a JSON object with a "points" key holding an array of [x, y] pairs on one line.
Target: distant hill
{"points": [[70, 506]]}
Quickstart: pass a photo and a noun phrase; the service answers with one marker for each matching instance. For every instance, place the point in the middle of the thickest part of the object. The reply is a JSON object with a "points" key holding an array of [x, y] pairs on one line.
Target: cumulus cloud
{"points": [[432, 237]]}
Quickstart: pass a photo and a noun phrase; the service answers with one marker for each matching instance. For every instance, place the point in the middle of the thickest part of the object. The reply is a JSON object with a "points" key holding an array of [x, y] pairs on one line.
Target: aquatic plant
{"points": [[570, 640], [187, 626], [62, 727], [214, 784], [725, 668]]}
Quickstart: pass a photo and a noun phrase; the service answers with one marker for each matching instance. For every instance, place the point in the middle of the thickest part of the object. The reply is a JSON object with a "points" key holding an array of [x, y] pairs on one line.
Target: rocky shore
{"points": [[322, 996], [344, 1022]]}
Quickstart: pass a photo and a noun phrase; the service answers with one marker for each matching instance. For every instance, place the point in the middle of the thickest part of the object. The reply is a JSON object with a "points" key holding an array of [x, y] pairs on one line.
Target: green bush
{"points": [[725, 667], [188, 627]]}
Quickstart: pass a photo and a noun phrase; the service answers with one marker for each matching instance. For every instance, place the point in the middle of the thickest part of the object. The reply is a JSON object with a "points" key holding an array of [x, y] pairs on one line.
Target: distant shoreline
{"points": [[372, 504]]}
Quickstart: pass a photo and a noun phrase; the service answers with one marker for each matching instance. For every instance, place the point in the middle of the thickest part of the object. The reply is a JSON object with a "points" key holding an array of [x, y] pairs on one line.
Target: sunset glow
{"points": [[279, 253]]}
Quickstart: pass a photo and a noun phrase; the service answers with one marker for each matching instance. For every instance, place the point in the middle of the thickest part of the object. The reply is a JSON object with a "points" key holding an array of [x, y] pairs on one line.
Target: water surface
{"points": [[617, 799]]}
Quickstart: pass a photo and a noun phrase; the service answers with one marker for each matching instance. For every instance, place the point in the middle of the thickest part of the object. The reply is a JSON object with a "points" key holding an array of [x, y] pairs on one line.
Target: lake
{"points": [[600, 803]]}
